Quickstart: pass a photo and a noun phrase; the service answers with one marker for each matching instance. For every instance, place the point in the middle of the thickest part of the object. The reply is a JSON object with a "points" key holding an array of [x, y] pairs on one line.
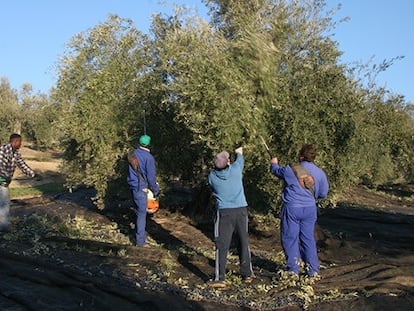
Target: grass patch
{"points": [[37, 190]]}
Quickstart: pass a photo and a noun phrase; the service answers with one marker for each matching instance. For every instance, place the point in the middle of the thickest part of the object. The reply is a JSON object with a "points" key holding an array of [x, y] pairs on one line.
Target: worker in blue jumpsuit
{"points": [[141, 177], [299, 210]]}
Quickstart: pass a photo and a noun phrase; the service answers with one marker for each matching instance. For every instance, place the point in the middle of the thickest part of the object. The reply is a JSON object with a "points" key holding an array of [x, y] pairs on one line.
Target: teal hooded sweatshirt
{"points": [[227, 185]]}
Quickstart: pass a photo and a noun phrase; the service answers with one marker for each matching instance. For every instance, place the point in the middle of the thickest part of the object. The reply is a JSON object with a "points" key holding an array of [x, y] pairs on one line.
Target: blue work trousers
{"points": [[140, 199], [298, 238]]}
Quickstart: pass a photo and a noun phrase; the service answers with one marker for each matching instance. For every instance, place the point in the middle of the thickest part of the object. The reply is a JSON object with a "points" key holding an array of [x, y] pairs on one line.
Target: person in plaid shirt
{"points": [[10, 157]]}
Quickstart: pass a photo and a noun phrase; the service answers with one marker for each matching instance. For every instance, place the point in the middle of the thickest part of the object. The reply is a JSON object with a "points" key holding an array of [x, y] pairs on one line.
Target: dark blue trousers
{"points": [[298, 238], [140, 200]]}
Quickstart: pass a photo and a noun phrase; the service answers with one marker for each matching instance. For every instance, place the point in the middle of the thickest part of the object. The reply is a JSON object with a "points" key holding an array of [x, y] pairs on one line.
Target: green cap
{"points": [[144, 140]]}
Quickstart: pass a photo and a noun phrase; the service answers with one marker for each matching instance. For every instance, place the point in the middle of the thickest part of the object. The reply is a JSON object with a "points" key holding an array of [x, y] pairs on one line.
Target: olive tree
{"points": [[262, 71], [98, 90], [10, 111]]}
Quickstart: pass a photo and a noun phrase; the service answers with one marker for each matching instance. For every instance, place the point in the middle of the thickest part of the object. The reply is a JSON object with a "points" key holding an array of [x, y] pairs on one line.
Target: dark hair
{"points": [[15, 136], [308, 152]]}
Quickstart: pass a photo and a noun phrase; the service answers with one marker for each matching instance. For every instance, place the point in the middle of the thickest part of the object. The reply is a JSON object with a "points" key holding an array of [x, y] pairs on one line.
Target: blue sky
{"points": [[34, 33]]}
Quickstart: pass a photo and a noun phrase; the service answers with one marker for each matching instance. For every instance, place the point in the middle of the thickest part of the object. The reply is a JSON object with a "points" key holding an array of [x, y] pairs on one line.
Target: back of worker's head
{"points": [[307, 153], [144, 140]]}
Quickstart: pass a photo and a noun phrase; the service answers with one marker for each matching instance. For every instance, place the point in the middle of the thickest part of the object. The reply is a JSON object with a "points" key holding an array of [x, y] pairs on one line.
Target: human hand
{"points": [[239, 150], [274, 161]]}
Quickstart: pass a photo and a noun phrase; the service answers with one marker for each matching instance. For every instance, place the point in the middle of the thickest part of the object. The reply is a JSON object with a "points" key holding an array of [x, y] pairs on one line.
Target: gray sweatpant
{"points": [[227, 222]]}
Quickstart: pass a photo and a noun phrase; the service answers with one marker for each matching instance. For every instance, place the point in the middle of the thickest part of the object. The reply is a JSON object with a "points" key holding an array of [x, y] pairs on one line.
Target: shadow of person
{"points": [[185, 254]]}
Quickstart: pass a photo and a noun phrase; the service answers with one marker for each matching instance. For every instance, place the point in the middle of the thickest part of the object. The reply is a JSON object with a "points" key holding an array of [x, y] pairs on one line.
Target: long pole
{"points": [[145, 124], [266, 146]]}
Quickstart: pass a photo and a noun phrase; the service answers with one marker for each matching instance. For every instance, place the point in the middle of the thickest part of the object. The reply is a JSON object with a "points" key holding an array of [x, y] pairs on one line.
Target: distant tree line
{"points": [[259, 70], [32, 115]]}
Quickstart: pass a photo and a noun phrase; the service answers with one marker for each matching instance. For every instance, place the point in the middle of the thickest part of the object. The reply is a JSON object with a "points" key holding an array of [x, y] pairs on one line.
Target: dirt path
{"points": [[45, 164]]}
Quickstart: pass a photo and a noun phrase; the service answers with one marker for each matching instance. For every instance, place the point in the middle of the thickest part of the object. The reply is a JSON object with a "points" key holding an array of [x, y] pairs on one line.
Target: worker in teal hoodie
{"points": [[226, 182]]}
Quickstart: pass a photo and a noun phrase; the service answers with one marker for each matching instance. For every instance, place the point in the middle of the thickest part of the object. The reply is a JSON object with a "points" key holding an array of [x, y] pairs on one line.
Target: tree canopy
{"points": [[263, 70]]}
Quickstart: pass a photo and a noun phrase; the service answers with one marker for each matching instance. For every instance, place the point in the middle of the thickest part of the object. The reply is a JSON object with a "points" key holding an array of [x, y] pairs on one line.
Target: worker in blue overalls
{"points": [[299, 210], [141, 178]]}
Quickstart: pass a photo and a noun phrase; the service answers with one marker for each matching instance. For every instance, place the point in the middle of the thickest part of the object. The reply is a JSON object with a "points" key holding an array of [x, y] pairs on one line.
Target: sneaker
{"points": [[217, 284], [247, 279], [145, 245], [315, 276], [292, 275]]}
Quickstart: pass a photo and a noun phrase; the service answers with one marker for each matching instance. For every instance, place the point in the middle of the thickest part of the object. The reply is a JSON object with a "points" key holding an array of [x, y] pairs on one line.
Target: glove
{"points": [[239, 150], [5, 181]]}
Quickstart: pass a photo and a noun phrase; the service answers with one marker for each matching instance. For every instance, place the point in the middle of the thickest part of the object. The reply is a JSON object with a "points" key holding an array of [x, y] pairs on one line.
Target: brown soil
{"points": [[365, 248]]}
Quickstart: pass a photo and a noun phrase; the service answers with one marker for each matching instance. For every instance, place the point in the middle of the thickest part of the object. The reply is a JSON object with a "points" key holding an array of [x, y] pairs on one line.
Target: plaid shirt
{"points": [[9, 159]]}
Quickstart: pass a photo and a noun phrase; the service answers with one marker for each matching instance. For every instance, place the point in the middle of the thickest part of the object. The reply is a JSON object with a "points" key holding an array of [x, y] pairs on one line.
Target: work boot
{"points": [[217, 284]]}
